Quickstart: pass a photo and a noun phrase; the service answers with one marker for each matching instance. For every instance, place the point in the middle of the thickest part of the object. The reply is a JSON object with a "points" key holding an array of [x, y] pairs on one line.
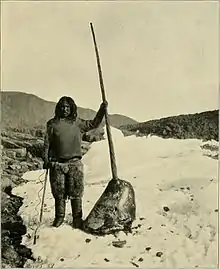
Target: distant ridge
{"points": [[203, 125], [24, 110]]}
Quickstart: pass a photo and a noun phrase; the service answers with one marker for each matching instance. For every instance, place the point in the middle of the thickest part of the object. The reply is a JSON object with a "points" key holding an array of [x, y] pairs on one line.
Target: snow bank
{"points": [[176, 196]]}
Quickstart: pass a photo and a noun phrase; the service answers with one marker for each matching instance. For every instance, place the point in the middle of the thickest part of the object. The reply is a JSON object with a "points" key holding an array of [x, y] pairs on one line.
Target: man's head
{"points": [[66, 108]]}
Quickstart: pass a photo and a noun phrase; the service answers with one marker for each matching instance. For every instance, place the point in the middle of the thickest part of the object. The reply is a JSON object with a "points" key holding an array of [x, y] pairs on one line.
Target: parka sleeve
{"points": [[47, 142], [87, 125]]}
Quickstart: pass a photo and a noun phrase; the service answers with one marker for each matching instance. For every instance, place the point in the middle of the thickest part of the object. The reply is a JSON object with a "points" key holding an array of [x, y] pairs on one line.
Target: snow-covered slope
{"points": [[175, 185]]}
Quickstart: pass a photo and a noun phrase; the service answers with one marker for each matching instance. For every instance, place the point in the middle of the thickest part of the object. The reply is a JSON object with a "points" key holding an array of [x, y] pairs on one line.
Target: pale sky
{"points": [[158, 58]]}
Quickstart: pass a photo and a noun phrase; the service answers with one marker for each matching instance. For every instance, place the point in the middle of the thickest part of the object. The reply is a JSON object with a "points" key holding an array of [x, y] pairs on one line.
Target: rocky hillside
{"points": [[204, 125], [22, 110]]}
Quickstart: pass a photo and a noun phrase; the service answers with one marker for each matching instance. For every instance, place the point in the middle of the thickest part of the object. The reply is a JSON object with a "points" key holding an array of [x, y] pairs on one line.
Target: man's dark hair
{"points": [[73, 108]]}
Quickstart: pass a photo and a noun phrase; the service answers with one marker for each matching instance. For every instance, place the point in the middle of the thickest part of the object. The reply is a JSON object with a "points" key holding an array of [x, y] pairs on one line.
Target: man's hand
{"points": [[104, 105], [46, 165]]}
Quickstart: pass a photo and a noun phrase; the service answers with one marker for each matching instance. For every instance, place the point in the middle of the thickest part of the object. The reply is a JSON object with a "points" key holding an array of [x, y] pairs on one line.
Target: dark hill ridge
{"points": [[26, 111], [20, 110], [204, 125]]}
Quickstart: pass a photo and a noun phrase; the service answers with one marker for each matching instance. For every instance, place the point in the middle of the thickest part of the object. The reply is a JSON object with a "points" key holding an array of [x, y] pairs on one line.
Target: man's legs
{"points": [[75, 191], [57, 181]]}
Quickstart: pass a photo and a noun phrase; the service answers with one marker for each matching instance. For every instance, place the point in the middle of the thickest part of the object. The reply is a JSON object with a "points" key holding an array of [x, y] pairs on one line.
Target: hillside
{"points": [[204, 125], [20, 110]]}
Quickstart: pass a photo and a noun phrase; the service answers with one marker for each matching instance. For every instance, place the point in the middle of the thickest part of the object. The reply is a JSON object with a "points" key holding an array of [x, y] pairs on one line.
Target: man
{"points": [[62, 156]]}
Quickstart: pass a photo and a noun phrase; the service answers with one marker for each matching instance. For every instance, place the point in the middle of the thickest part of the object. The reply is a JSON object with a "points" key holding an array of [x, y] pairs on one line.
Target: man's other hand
{"points": [[46, 165], [104, 105]]}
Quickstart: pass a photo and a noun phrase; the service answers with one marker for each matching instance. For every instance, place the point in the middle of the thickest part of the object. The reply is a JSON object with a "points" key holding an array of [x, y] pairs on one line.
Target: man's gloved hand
{"points": [[104, 105], [46, 165]]}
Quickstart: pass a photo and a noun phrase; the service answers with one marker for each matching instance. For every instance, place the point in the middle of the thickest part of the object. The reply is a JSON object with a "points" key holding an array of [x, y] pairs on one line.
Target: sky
{"points": [[158, 58]]}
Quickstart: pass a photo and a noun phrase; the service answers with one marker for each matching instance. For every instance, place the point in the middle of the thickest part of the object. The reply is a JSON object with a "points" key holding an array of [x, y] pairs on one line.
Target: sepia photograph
{"points": [[109, 134]]}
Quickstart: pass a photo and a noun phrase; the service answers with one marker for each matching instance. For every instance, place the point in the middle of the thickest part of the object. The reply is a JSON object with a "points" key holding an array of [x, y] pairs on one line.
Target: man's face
{"points": [[65, 110]]}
